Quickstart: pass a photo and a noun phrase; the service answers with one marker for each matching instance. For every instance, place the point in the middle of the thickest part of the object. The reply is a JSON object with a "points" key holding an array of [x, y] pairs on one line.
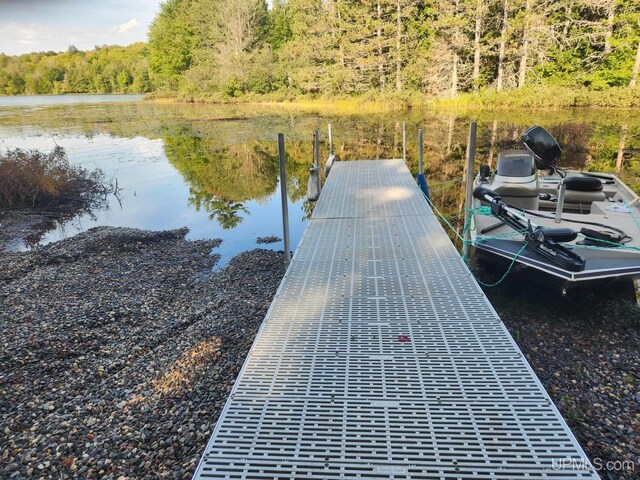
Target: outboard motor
{"points": [[581, 192], [516, 179], [543, 146]]}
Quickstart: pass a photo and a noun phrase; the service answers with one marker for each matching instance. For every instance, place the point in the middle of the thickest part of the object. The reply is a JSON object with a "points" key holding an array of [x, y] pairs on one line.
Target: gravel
{"points": [[586, 352], [268, 239], [119, 348]]}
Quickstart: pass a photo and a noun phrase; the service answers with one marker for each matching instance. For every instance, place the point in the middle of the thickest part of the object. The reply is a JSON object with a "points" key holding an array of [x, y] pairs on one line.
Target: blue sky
{"points": [[42, 25]]}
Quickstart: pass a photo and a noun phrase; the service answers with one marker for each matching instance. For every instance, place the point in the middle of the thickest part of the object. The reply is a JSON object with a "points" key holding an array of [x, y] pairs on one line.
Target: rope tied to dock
{"points": [[504, 276], [445, 184], [468, 225]]}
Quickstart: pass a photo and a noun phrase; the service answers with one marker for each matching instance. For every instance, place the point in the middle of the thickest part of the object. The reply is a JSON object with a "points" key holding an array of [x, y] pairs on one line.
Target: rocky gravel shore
{"points": [[586, 352], [268, 239], [119, 347]]}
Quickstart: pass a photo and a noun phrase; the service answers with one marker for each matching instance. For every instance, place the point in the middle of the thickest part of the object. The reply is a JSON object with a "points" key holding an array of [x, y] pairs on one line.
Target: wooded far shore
{"points": [[400, 53]]}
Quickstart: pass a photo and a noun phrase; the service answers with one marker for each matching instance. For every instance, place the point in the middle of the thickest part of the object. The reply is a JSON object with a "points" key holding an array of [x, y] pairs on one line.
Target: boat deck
{"points": [[380, 357], [600, 263]]}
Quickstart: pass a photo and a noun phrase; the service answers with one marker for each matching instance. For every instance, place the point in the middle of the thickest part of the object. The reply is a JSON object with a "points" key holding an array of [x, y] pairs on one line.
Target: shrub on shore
{"points": [[46, 180]]}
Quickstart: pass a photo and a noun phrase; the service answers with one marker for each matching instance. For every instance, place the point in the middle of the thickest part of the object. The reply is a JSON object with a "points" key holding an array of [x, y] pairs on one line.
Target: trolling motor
{"points": [[543, 241]]}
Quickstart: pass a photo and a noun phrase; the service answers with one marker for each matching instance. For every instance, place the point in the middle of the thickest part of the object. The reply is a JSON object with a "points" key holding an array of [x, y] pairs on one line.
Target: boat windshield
{"points": [[516, 164]]}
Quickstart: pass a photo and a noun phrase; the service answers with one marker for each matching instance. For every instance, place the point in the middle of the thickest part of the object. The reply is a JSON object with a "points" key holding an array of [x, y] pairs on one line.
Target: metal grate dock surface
{"points": [[380, 357]]}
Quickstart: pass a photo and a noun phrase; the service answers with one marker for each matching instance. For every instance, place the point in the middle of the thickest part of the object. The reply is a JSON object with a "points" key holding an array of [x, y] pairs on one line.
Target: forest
{"points": [[106, 69], [408, 50]]}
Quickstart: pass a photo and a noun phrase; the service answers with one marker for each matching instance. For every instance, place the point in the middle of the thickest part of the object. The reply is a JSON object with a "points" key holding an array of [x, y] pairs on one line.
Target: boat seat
{"points": [[519, 195], [583, 190], [571, 196]]}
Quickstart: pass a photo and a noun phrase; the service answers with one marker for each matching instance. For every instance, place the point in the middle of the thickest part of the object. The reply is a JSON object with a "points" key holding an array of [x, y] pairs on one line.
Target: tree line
{"points": [[355, 47], [366, 48], [106, 69]]}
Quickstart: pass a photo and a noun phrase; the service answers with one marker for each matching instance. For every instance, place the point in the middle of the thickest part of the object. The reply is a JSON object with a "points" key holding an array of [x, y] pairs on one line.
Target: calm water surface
{"points": [[214, 169]]}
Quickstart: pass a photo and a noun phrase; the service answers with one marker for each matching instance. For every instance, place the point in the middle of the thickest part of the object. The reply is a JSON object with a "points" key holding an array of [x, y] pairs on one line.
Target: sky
{"points": [[42, 25]]}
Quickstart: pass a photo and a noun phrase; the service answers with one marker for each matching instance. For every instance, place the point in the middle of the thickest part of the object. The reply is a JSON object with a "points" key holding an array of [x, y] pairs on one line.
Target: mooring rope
{"points": [[468, 242]]}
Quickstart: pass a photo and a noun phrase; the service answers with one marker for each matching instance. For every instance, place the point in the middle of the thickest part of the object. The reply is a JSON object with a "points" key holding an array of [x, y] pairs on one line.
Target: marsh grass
{"points": [[371, 102], [530, 97], [542, 97]]}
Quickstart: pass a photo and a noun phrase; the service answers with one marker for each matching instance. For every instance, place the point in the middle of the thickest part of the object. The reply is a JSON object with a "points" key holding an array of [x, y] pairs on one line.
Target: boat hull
{"points": [[603, 266]]}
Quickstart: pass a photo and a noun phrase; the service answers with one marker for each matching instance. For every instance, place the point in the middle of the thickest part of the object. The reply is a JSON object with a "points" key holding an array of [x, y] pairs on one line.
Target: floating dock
{"points": [[381, 358]]}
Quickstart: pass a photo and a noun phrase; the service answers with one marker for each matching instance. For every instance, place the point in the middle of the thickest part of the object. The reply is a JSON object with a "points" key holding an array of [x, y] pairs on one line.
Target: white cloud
{"points": [[18, 38], [56, 24], [125, 27], [26, 34]]}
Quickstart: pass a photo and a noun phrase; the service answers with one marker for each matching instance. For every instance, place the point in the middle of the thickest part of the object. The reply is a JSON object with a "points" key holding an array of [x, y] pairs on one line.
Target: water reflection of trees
{"points": [[226, 212], [222, 177], [224, 172], [229, 153]]}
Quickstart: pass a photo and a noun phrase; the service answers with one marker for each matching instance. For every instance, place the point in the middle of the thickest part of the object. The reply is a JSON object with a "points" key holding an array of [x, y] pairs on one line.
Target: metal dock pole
{"points": [[422, 181], [404, 141], [283, 197], [420, 152], [316, 148], [332, 158], [471, 160]]}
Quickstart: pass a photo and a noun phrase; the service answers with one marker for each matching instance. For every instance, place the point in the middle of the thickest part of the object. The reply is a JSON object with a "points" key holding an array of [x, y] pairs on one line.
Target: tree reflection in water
{"points": [[225, 212]]}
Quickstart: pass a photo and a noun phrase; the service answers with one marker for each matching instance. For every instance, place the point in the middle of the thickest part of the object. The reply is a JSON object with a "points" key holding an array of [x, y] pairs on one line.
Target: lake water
{"points": [[214, 168]]}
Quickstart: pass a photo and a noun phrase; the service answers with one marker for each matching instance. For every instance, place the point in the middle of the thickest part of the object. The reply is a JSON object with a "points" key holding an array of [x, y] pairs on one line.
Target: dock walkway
{"points": [[380, 357]]}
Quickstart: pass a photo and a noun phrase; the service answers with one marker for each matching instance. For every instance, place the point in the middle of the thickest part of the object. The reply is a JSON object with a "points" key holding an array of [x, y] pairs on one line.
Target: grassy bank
{"points": [[544, 97], [530, 97], [370, 103]]}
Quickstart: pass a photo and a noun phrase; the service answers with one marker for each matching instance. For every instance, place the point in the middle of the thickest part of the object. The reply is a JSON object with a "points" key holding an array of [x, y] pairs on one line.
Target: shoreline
{"points": [[533, 96], [122, 346], [615, 99]]}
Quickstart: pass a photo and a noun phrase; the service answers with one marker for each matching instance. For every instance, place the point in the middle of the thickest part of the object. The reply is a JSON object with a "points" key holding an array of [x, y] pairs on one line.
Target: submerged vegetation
{"points": [[226, 155]]}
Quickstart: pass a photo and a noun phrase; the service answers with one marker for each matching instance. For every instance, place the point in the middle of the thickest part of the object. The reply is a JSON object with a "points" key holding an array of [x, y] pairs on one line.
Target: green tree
{"points": [[171, 42]]}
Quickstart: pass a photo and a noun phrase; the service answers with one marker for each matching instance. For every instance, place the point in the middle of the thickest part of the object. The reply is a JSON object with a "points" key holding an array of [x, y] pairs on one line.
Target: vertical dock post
{"points": [[331, 158], [471, 160], [404, 141], [420, 152], [422, 181], [283, 197], [316, 149]]}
